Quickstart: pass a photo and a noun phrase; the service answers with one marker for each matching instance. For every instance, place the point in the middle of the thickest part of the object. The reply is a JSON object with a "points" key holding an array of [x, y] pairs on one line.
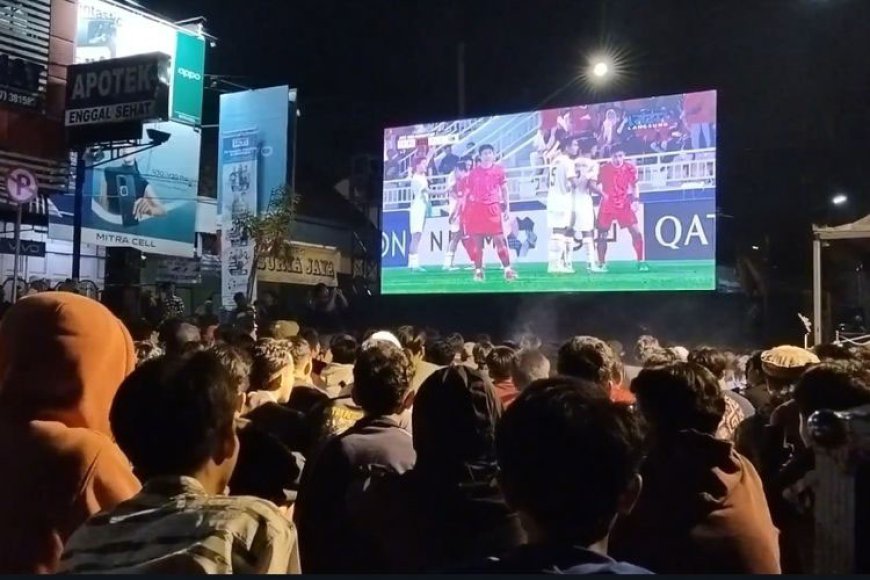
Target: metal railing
{"points": [[655, 171]]}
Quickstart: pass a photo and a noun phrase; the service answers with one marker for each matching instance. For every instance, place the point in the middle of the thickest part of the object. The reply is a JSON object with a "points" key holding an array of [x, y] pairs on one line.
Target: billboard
{"points": [[253, 154], [106, 30], [146, 201], [617, 196]]}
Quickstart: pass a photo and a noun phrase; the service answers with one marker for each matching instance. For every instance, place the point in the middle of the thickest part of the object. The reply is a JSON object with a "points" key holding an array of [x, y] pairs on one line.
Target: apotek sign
{"points": [[131, 89]]}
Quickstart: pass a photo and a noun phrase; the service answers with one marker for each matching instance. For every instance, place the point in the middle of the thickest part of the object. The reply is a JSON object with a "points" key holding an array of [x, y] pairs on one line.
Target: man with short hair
{"points": [[703, 508], [170, 304], [569, 465], [337, 375], [272, 372], [530, 366], [590, 359], [175, 420], [737, 407], [178, 337], [382, 387], [441, 352], [500, 363]]}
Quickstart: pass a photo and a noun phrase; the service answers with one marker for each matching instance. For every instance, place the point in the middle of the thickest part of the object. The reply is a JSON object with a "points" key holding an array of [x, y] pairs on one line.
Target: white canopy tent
{"points": [[853, 231]]}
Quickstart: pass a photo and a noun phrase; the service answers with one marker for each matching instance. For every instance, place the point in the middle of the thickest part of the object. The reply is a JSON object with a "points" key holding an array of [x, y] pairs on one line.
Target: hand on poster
{"points": [[148, 205]]}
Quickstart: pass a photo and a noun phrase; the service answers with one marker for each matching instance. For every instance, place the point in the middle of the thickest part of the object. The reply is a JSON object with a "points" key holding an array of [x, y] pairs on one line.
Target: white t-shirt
{"points": [[563, 172], [587, 170], [419, 188]]}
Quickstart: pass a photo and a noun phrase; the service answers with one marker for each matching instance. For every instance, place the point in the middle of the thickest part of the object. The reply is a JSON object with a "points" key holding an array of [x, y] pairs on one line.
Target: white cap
{"points": [[382, 336]]}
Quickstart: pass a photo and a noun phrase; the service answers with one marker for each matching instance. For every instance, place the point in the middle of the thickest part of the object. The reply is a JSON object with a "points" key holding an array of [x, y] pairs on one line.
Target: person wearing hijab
{"points": [[448, 510], [62, 359]]}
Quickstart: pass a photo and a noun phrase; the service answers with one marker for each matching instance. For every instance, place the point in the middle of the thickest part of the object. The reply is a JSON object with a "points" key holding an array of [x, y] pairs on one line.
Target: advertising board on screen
{"points": [[617, 196]]}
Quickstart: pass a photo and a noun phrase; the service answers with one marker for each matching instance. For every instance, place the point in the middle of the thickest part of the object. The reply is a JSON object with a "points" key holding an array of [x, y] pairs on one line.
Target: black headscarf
{"points": [[454, 418]]}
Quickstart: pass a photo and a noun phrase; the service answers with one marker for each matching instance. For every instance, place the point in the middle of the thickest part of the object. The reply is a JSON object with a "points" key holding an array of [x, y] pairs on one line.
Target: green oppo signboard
{"points": [[188, 79]]}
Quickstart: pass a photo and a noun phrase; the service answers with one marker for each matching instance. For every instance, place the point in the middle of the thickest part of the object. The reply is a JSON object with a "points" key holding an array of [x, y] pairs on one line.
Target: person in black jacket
{"points": [[448, 510]]}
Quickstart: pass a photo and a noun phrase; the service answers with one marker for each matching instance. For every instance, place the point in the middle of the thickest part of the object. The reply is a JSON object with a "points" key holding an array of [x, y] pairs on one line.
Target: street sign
{"points": [[21, 185]]}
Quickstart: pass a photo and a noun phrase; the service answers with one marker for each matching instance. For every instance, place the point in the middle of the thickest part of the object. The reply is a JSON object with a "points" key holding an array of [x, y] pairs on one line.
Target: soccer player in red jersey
{"points": [[619, 203], [486, 211], [458, 192]]}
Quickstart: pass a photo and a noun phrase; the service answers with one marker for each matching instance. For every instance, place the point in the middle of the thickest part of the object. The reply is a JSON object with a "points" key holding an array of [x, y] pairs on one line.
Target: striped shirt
{"points": [[174, 526]]}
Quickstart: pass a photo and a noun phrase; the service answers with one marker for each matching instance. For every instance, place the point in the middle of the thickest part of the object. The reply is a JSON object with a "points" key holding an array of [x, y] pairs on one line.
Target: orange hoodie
{"points": [[62, 359]]}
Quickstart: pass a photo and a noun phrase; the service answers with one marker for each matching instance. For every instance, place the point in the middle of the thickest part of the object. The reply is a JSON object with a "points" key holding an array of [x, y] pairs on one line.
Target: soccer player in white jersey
{"points": [[419, 209], [560, 207], [584, 210]]}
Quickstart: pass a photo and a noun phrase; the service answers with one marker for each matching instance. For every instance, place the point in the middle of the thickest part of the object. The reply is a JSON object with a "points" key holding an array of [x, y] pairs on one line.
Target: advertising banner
{"points": [[146, 200], [253, 161], [681, 230], [19, 82], [238, 187], [308, 265], [179, 270], [106, 30]]}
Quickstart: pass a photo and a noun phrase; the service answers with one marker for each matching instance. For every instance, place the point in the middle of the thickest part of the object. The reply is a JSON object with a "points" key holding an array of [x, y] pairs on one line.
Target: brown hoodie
{"points": [[701, 510], [62, 359]]}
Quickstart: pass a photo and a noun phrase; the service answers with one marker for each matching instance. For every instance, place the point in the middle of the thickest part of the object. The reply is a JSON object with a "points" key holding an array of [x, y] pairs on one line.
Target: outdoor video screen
{"points": [[616, 196]]}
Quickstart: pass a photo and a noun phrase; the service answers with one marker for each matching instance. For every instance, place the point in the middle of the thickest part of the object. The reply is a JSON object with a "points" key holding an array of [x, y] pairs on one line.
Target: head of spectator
{"points": [[209, 334], [754, 372], [457, 343], [480, 351], [679, 397], [830, 352], [167, 290], [175, 335], [175, 417], [617, 348], [712, 359], [381, 336], [272, 371], [312, 337], [783, 366], [284, 329], [241, 301], [500, 363], [659, 357], [441, 352], [62, 358], [681, 352], [382, 380], [246, 323], [834, 386], [146, 350], [530, 366], [303, 360], [414, 342], [343, 348], [142, 330], [590, 359], [237, 362], [644, 345], [568, 507]]}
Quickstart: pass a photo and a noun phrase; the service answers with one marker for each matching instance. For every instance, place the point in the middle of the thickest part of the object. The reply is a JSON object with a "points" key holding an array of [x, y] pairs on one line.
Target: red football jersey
{"points": [[485, 184], [616, 181], [461, 187]]}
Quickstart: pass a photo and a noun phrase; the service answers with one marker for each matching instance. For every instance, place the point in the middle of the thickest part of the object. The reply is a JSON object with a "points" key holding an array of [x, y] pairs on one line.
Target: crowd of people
{"points": [[241, 448]]}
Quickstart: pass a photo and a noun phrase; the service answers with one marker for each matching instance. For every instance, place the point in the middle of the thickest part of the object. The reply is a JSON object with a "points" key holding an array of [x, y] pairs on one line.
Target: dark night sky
{"points": [[793, 75]]}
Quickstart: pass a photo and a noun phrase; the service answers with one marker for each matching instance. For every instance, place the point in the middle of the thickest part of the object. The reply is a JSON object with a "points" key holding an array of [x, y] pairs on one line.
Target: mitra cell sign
{"points": [[120, 90]]}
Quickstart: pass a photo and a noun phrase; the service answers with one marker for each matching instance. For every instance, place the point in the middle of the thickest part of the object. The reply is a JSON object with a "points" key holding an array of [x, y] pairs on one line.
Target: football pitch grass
{"points": [[533, 277]]}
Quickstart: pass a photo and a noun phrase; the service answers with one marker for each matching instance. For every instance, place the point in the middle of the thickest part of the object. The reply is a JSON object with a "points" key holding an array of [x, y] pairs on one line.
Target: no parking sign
{"points": [[21, 185]]}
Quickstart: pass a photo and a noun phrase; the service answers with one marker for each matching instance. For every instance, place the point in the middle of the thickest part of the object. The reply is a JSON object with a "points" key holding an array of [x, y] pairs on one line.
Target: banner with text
{"points": [[146, 200], [253, 161], [238, 187], [308, 265]]}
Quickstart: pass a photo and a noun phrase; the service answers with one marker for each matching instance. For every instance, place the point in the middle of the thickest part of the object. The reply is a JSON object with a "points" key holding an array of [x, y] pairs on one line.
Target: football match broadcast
{"points": [[617, 196]]}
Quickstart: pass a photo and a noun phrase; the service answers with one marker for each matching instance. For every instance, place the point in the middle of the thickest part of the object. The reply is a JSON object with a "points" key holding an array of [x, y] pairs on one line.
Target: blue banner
{"points": [[680, 230], [253, 154]]}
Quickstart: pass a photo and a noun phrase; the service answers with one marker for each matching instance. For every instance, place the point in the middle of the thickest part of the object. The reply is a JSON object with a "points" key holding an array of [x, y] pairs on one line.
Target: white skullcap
{"points": [[382, 336]]}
